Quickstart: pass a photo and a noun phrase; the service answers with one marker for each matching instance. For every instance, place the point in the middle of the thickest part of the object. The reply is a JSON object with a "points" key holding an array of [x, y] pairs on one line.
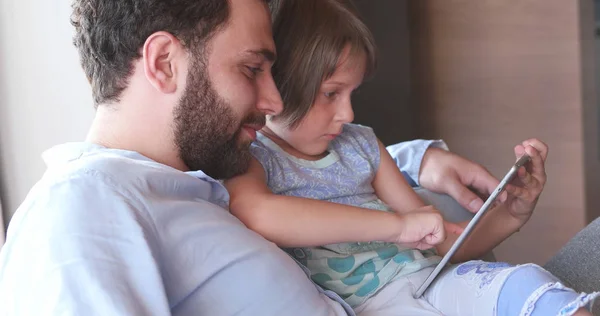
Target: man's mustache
{"points": [[255, 119]]}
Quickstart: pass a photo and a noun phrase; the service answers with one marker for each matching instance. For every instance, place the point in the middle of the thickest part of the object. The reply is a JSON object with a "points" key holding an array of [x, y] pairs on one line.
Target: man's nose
{"points": [[269, 100]]}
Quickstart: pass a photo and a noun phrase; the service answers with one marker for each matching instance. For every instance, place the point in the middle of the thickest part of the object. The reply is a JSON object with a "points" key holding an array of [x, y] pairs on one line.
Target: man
{"points": [[119, 225]]}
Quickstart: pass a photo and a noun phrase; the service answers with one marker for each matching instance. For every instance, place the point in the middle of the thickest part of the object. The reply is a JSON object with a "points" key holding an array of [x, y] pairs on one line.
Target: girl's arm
{"points": [[302, 222]]}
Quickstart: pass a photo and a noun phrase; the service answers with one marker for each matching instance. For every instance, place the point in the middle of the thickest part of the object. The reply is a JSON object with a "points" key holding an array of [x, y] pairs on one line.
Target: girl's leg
{"points": [[396, 299], [481, 288], [531, 290]]}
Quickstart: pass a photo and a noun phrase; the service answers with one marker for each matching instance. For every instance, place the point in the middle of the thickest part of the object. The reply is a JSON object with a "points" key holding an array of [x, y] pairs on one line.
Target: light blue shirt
{"points": [[111, 232]]}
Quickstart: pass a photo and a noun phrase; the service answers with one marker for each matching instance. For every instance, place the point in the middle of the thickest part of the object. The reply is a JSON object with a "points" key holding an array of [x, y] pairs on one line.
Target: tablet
{"points": [[461, 239]]}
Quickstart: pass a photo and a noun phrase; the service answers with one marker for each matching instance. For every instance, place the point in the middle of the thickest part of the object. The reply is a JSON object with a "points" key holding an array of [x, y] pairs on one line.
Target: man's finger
{"points": [[465, 197], [484, 182]]}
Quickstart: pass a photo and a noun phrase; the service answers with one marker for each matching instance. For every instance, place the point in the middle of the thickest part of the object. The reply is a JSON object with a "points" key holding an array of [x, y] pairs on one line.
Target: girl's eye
{"points": [[330, 94]]}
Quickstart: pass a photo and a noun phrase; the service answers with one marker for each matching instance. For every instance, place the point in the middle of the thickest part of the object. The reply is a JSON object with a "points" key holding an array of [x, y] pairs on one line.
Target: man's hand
{"points": [[445, 172]]}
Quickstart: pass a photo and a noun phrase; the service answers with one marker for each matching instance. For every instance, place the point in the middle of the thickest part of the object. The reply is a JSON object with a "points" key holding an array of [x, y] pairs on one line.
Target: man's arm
{"points": [[430, 165], [445, 172], [80, 248], [391, 188], [408, 156]]}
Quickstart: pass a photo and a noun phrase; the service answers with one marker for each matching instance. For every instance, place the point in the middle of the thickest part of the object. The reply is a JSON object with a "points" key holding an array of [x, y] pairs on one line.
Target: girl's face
{"points": [[331, 109]]}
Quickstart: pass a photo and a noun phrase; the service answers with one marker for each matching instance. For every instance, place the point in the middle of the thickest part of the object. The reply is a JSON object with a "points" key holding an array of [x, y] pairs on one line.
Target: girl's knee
{"points": [[531, 290]]}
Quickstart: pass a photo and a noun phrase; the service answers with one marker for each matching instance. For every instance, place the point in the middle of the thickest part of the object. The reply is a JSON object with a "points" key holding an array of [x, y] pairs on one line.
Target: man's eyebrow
{"points": [[265, 53]]}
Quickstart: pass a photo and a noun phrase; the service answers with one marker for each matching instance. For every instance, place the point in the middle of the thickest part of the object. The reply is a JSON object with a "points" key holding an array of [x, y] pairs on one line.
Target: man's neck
{"points": [[114, 127]]}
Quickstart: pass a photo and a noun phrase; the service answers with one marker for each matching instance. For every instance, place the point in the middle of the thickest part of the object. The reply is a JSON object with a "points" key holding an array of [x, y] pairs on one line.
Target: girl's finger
{"points": [[516, 191], [526, 177]]}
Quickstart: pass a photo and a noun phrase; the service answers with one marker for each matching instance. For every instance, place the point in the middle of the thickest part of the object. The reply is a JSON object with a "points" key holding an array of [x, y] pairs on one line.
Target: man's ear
{"points": [[161, 54]]}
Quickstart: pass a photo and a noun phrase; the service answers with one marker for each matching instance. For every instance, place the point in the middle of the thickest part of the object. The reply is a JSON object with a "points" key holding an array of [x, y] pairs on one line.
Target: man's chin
{"points": [[244, 141], [234, 171], [234, 165]]}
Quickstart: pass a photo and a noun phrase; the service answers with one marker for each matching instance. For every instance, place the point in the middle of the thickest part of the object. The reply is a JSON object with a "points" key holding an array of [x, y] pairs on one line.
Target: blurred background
{"points": [[483, 75]]}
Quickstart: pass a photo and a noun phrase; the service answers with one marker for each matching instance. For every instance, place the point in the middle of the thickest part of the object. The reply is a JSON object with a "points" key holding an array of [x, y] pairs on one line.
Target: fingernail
{"points": [[475, 205]]}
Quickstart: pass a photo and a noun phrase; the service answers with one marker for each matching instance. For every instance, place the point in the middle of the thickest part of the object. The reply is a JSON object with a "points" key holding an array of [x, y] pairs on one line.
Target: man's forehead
{"points": [[250, 26]]}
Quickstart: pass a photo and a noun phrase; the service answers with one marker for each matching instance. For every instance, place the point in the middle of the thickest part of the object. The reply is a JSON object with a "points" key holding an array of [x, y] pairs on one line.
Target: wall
{"points": [[489, 74], [44, 97], [384, 102], [590, 11]]}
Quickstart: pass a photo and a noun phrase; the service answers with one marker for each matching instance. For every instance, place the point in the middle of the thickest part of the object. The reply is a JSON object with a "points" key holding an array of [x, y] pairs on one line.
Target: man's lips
{"points": [[251, 129]]}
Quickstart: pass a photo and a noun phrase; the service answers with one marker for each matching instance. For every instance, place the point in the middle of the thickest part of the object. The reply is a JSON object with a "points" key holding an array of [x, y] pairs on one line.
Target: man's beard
{"points": [[204, 128]]}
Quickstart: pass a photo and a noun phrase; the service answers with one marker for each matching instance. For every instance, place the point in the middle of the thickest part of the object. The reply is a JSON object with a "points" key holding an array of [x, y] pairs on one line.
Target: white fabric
{"points": [[408, 155], [454, 293]]}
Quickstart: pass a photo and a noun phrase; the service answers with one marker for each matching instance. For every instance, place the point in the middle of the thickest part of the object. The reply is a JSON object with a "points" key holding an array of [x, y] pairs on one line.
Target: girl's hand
{"points": [[525, 189], [424, 228]]}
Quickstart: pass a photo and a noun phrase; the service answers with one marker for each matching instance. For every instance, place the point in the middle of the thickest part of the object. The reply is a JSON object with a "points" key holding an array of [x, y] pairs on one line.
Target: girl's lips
{"points": [[331, 136]]}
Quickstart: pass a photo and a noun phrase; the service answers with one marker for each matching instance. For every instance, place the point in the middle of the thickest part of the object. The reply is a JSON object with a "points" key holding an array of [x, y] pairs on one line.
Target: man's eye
{"points": [[254, 70]]}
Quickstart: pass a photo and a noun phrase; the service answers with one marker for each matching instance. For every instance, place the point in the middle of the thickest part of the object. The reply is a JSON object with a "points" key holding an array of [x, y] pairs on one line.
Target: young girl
{"points": [[329, 193]]}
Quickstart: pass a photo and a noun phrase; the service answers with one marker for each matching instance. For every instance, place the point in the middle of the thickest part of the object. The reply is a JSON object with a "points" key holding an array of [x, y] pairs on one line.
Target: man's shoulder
{"points": [[82, 190], [102, 165], [86, 188], [106, 172], [79, 226], [126, 184]]}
